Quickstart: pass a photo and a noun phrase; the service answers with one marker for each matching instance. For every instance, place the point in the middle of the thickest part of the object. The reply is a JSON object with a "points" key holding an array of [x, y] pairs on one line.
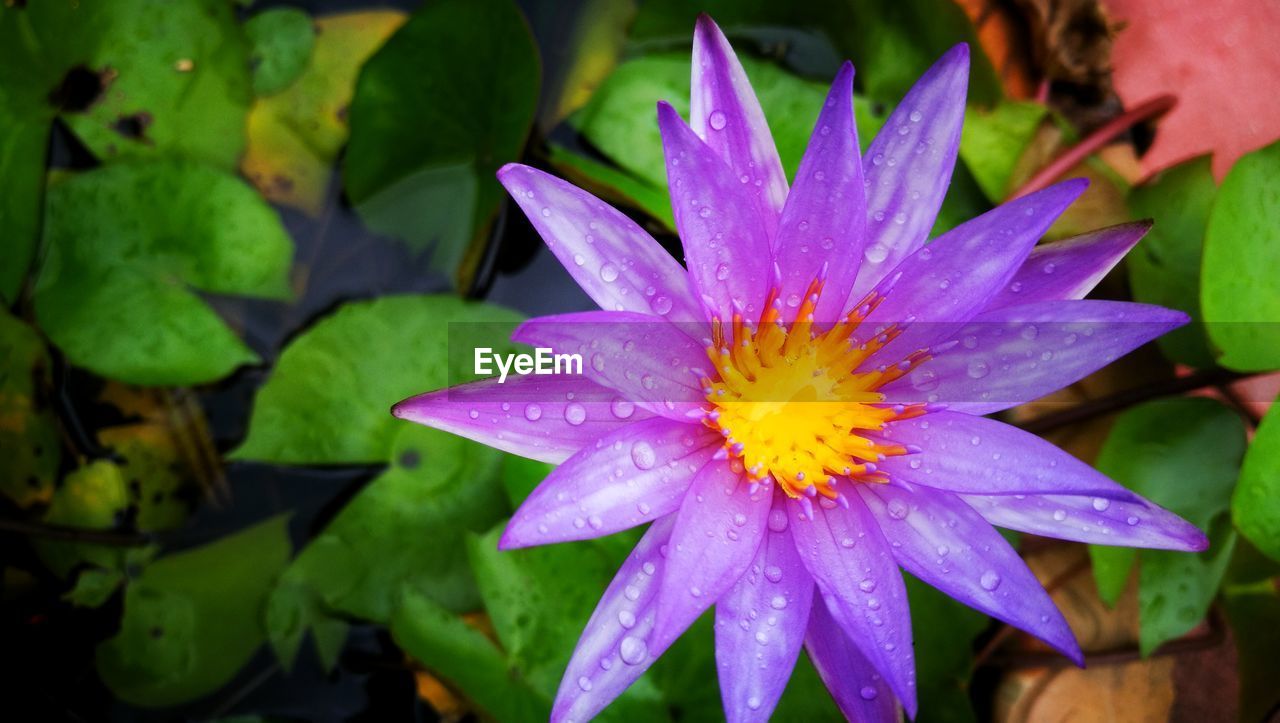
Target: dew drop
{"points": [[633, 650], [718, 120], [1059, 515], [876, 253], [778, 602], [532, 412], [622, 409], [777, 520], [897, 509], [990, 580], [722, 272], [642, 455], [1101, 504], [868, 693], [661, 306], [627, 619], [575, 413], [609, 272], [585, 684], [773, 573], [978, 369]]}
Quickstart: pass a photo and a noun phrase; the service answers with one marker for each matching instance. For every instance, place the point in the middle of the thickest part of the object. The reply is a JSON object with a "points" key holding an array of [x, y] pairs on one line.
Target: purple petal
{"points": [[849, 558], [824, 221], [616, 646], [619, 265], [951, 279], [726, 247], [718, 529], [908, 172], [724, 112], [858, 688], [1070, 268], [973, 455], [546, 418], [761, 622], [633, 476], [1096, 520], [647, 360], [1015, 354], [941, 540]]}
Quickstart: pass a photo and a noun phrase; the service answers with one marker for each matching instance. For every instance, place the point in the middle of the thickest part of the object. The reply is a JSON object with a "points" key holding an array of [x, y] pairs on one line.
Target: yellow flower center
{"points": [[791, 404]]}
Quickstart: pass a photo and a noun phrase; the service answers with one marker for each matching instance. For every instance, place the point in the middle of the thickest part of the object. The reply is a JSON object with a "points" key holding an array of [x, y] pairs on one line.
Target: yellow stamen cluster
{"points": [[790, 404]]}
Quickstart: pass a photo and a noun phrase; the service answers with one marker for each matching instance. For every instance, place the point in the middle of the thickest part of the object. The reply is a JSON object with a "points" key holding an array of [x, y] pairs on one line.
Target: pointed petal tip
{"points": [[510, 168]]}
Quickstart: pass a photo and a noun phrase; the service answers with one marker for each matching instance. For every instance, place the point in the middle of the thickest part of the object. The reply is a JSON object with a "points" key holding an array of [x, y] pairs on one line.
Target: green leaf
{"points": [[400, 534], [281, 41], [192, 619], [93, 498], [994, 140], [1164, 269], [619, 121], [1238, 293], [132, 77], [438, 109], [1256, 503], [30, 443], [891, 42], [152, 467], [521, 475], [1254, 615], [127, 243], [450, 647], [1183, 454]]}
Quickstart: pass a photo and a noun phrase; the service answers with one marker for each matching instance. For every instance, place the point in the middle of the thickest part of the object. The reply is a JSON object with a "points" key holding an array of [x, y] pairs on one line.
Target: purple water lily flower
{"points": [[797, 414]]}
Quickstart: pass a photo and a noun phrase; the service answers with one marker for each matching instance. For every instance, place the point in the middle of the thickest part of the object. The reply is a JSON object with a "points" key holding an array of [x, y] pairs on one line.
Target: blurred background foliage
{"points": [[232, 234]]}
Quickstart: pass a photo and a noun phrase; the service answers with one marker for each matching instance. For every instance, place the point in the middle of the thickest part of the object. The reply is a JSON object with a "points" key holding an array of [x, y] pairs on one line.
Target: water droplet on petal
{"points": [[609, 272], [868, 693], [990, 580], [876, 253], [574, 413], [718, 120], [532, 412], [622, 409], [1101, 504]]}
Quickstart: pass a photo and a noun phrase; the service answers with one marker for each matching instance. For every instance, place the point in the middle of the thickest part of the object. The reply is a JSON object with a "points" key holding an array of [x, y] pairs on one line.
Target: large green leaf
{"points": [[30, 444], [328, 402], [192, 619], [126, 245], [1239, 293], [173, 76], [1256, 503], [1164, 269], [1183, 454], [438, 109]]}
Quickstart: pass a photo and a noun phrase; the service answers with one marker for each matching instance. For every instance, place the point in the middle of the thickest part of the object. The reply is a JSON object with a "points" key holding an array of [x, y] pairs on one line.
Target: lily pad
{"points": [[438, 109], [1184, 454], [1238, 293], [126, 246], [192, 619], [993, 140], [328, 402], [295, 135]]}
